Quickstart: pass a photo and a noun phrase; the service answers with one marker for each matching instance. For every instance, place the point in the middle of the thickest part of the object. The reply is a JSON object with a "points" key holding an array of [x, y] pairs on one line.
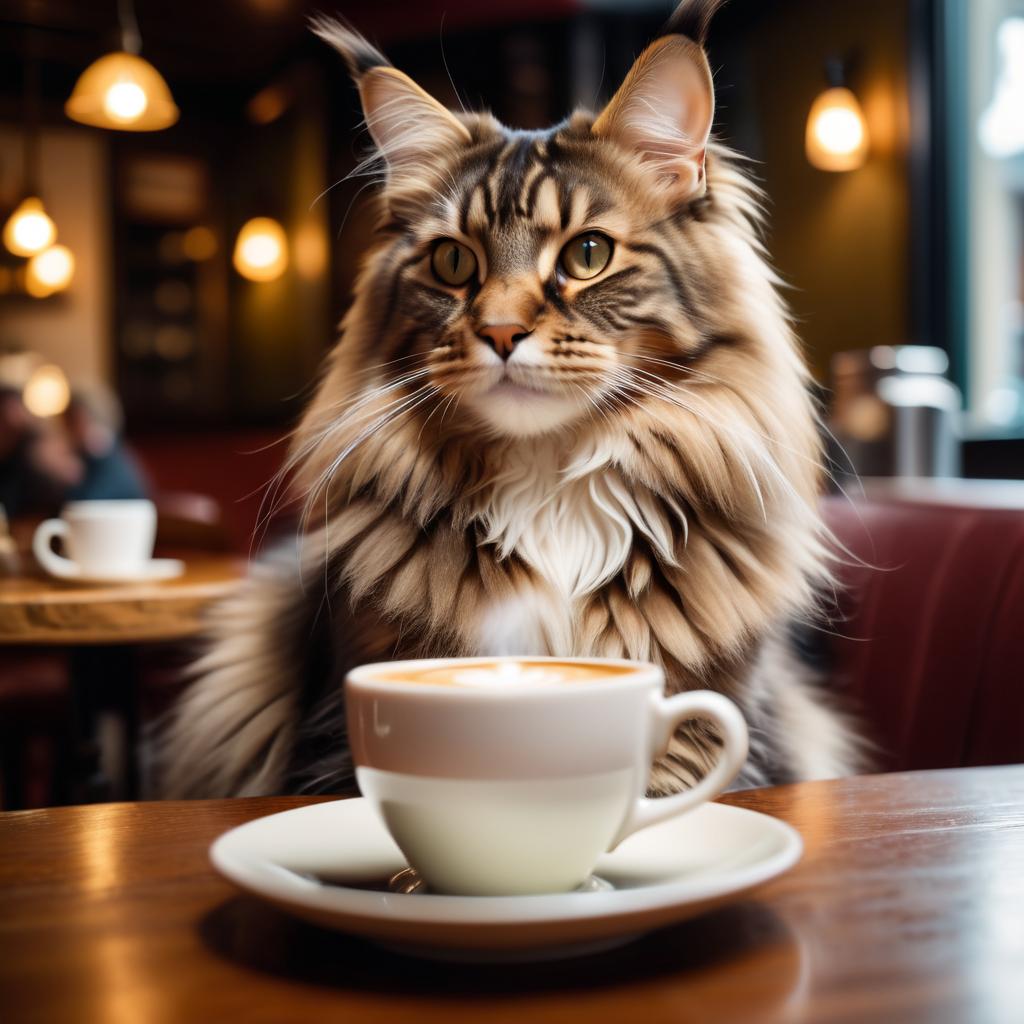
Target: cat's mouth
{"points": [[519, 406], [509, 388]]}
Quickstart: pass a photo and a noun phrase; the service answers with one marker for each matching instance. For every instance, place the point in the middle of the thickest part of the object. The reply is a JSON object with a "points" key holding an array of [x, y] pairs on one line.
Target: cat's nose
{"points": [[503, 338]]}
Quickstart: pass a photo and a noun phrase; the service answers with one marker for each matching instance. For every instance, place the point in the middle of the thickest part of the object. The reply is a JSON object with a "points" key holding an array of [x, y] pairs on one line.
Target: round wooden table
{"points": [[101, 627], [906, 907], [38, 609]]}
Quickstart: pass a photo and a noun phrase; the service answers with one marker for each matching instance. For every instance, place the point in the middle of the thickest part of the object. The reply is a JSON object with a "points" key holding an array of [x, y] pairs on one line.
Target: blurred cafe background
{"points": [[179, 238]]}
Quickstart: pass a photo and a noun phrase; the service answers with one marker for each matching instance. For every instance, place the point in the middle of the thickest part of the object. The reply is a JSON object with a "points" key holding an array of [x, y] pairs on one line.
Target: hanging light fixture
{"points": [[122, 90], [29, 229], [837, 133], [261, 250]]}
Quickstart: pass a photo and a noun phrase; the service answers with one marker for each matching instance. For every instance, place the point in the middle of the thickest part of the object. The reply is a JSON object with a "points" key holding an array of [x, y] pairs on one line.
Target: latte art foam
{"points": [[482, 675]]}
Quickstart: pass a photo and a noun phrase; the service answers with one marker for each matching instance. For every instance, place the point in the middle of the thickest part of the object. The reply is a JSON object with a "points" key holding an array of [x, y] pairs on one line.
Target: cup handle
{"points": [[666, 714], [53, 563]]}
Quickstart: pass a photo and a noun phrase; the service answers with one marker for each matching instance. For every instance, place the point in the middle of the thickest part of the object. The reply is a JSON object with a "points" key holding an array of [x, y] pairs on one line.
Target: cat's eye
{"points": [[452, 262], [587, 255]]}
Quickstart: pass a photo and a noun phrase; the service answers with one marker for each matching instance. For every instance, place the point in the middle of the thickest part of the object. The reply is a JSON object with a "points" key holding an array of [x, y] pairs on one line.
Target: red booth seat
{"points": [[932, 630]]}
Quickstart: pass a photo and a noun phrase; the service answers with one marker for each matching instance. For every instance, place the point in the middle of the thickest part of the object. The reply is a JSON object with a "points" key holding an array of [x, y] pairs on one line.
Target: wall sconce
{"points": [[122, 90], [49, 271], [261, 250], [837, 134]]}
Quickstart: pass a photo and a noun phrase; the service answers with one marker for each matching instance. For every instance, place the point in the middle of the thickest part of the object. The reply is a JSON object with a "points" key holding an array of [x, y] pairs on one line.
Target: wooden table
{"points": [[907, 907], [37, 609], [102, 627]]}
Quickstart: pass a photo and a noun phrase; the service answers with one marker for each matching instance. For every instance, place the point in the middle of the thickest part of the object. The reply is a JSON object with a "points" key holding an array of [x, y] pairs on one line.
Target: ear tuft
{"points": [[663, 112], [359, 55], [692, 18], [408, 125]]}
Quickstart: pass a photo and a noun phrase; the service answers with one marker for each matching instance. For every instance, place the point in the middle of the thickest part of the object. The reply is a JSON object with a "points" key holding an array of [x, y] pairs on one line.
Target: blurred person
{"points": [[79, 456], [93, 421], [39, 466]]}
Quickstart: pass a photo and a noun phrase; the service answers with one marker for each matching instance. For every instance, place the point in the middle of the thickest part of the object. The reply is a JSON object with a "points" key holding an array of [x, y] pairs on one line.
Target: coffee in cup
{"points": [[511, 776]]}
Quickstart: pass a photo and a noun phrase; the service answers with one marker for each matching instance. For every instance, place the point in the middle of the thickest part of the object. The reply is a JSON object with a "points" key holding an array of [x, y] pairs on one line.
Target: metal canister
{"points": [[895, 413]]}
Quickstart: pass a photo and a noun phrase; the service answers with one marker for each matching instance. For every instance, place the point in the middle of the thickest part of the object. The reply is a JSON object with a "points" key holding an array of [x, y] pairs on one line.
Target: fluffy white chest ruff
{"points": [[573, 522]]}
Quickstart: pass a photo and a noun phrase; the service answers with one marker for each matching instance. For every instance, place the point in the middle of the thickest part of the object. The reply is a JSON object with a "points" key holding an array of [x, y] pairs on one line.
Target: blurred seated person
{"points": [[94, 420], [75, 457]]}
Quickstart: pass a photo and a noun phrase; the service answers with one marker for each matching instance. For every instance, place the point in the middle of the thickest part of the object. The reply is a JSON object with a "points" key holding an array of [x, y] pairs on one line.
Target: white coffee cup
{"points": [[105, 539], [496, 778]]}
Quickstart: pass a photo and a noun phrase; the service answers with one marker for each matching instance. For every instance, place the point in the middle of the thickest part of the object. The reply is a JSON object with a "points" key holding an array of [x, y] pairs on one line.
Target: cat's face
{"points": [[529, 274], [535, 284]]}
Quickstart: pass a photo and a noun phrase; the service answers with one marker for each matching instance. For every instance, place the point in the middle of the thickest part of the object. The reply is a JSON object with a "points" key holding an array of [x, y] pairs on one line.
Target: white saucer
{"points": [[330, 863], [155, 570]]}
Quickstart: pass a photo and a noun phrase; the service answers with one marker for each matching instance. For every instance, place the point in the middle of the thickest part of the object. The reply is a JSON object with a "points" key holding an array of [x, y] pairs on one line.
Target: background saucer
{"points": [[155, 570]]}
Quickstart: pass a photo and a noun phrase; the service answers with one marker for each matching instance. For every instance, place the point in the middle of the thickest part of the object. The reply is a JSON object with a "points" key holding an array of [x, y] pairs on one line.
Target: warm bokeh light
{"points": [[122, 91], [199, 243], [310, 249], [49, 271], [46, 392], [125, 101], [29, 229], [837, 134], [261, 250], [268, 104]]}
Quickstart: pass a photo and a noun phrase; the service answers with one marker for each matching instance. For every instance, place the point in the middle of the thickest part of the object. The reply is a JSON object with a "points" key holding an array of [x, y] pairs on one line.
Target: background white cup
{"points": [[512, 785], [102, 538]]}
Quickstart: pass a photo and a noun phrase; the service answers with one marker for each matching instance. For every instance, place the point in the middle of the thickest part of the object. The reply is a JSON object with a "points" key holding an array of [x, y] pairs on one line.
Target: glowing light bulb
{"points": [[29, 229], [49, 271], [123, 91], [261, 250], [125, 101], [837, 134], [46, 392], [839, 130]]}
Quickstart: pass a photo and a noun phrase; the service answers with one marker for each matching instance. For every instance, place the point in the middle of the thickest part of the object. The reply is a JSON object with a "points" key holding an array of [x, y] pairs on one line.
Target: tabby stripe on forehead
{"points": [[544, 169], [564, 204], [488, 199], [475, 168], [542, 175], [513, 172]]}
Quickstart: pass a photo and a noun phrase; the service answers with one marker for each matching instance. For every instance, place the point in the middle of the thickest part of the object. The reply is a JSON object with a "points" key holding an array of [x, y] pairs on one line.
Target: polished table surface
{"points": [[907, 906], [37, 609]]}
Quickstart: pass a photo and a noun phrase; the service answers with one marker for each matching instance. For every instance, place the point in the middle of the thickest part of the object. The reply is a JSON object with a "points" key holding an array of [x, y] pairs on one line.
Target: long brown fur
{"points": [[671, 517]]}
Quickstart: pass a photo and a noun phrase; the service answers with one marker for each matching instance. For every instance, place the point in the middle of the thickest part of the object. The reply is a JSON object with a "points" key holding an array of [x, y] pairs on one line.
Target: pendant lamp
{"points": [[122, 90]]}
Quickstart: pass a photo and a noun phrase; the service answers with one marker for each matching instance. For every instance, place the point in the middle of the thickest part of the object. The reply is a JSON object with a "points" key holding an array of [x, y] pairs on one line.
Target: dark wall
{"points": [[841, 240]]}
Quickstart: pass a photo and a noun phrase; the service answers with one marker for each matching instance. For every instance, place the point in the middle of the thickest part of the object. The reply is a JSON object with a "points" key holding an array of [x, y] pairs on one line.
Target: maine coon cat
{"points": [[566, 415]]}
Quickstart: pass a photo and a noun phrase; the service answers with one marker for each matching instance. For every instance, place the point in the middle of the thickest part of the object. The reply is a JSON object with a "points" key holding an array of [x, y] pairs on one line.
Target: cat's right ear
{"points": [[406, 123]]}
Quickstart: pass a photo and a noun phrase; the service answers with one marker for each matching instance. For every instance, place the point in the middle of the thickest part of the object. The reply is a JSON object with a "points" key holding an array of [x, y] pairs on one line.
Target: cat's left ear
{"points": [[407, 124], [663, 112]]}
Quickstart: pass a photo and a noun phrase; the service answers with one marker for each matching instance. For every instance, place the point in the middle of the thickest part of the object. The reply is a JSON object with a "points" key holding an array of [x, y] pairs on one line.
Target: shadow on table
{"points": [[745, 947]]}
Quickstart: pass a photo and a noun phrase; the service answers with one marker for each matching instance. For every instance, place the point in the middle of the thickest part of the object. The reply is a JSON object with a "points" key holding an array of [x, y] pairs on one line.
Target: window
{"points": [[980, 84]]}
